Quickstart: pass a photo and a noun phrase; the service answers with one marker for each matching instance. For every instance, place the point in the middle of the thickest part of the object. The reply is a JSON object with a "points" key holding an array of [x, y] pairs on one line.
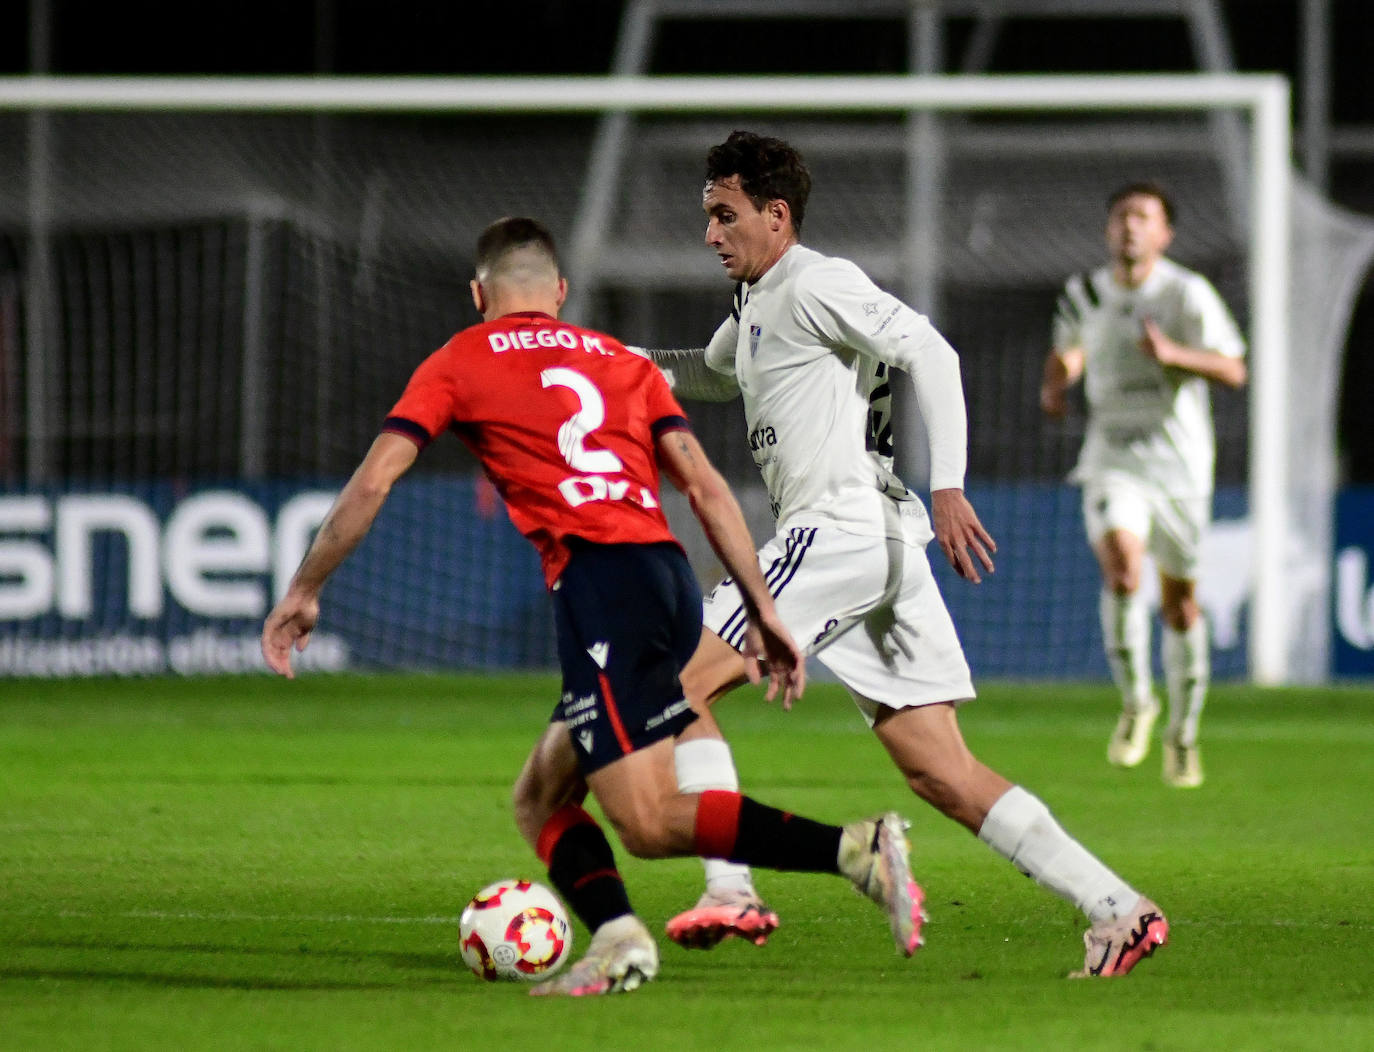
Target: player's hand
{"points": [[1053, 399], [1062, 369], [1155, 345], [959, 532], [288, 625], [768, 643]]}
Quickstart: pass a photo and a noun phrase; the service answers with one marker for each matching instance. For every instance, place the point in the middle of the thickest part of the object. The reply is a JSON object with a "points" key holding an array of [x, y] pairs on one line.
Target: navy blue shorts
{"points": [[628, 617]]}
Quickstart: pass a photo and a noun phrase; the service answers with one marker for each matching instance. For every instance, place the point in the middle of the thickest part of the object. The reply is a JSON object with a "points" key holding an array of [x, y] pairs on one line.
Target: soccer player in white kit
{"points": [[808, 345], [1146, 335]]}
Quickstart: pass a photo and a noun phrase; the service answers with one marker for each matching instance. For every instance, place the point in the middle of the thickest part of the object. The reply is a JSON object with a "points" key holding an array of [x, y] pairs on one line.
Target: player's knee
{"points": [[1120, 557], [696, 685], [528, 807], [1123, 581], [1180, 615]]}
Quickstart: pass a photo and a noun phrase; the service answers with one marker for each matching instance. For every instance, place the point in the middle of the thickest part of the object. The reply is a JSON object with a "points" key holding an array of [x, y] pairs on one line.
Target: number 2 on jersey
{"points": [[590, 415]]}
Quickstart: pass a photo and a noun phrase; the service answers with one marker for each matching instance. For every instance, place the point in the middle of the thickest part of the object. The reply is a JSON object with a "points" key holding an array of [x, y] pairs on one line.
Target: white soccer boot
{"points": [[874, 855], [1182, 764], [1130, 742], [622, 957]]}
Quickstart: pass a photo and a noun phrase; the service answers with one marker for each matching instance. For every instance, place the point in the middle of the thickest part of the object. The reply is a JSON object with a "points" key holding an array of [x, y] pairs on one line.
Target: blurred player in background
{"points": [[574, 430], [1146, 335], [808, 344]]}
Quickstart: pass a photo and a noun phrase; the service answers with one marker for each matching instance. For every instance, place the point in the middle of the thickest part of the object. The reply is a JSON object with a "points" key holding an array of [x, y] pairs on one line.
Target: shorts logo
{"points": [[829, 627], [577, 711], [585, 738], [598, 652], [676, 708]]}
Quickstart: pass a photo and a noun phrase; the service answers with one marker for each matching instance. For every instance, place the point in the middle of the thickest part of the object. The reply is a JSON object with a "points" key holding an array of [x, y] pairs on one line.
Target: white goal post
{"points": [[1264, 99]]}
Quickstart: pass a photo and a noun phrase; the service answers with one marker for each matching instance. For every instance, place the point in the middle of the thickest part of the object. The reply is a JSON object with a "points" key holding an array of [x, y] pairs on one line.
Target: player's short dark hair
{"points": [[1145, 188], [510, 233], [768, 169]]}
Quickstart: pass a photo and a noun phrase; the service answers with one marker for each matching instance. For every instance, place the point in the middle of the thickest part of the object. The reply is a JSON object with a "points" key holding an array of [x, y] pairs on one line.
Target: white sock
{"points": [[706, 763], [1126, 639], [1021, 829], [1187, 672]]}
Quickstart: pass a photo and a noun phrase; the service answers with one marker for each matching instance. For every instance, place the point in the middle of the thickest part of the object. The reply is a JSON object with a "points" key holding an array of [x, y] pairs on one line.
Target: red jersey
{"points": [[564, 420]]}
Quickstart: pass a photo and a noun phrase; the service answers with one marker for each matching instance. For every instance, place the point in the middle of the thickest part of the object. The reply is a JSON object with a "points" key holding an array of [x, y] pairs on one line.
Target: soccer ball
{"points": [[515, 929]]}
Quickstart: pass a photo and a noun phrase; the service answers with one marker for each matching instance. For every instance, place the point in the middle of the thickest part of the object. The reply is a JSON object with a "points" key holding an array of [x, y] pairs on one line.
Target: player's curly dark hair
{"points": [[1145, 188], [768, 169], [510, 233]]}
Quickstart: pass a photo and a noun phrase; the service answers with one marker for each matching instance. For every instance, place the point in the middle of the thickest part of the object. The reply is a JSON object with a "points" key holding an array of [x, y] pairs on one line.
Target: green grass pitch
{"points": [[256, 864]]}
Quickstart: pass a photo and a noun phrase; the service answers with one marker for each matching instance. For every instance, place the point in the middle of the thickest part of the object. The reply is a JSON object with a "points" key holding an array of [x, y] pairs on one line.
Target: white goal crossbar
{"points": [[1263, 98]]}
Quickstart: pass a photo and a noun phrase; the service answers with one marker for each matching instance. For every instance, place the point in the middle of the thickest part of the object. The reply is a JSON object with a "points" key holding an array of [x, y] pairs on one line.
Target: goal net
{"points": [[211, 292]]}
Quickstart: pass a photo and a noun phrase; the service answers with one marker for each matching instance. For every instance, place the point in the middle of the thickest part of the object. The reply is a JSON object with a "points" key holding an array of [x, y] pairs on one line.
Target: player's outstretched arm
{"points": [[689, 375], [1209, 364], [294, 617], [959, 532], [684, 462]]}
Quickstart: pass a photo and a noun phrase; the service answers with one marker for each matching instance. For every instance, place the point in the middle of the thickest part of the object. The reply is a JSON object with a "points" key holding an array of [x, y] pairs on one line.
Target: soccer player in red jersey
{"points": [[574, 430]]}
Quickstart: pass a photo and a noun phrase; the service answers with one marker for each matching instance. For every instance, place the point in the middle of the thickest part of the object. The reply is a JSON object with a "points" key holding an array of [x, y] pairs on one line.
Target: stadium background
{"points": [[359, 254]]}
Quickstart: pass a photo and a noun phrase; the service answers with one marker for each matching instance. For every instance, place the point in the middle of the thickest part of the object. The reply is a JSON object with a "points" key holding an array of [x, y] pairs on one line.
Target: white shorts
{"points": [[1171, 527], [867, 607]]}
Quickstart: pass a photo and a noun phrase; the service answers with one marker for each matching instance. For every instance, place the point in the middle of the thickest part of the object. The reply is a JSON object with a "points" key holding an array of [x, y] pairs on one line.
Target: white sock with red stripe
{"points": [[702, 764]]}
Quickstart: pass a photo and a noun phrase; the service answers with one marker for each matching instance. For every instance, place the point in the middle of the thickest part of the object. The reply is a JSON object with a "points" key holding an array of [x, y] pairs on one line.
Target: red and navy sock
{"points": [[582, 867], [734, 827]]}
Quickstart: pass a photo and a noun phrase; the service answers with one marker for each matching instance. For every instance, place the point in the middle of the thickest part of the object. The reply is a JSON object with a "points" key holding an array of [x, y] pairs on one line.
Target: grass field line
{"points": [[354, 918], [1260, 731], [232, 918]]}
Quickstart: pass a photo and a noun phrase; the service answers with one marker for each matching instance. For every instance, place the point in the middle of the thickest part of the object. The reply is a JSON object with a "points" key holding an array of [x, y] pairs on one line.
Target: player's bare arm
{"points": [[1208, 364], [1063, 369], [959, 532], [351, 516], [685, 463]]}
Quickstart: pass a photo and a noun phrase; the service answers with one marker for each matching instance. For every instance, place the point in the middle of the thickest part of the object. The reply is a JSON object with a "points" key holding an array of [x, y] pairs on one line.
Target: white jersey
{"points": [[809, 345], [1146, 420]]}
